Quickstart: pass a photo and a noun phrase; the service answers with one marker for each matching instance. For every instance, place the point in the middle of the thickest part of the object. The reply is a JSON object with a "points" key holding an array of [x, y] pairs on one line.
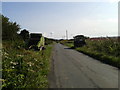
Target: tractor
{"points": [[79, 41]]}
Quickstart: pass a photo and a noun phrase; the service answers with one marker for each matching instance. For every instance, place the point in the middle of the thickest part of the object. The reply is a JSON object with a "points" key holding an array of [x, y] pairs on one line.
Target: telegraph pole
{"points": [[51, 34], [66, 35]]}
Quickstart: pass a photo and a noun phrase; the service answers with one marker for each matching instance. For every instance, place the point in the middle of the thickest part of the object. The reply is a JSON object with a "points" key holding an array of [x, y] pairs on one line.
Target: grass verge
{"points": [[25, 68], [103, 57], [114, 61]]}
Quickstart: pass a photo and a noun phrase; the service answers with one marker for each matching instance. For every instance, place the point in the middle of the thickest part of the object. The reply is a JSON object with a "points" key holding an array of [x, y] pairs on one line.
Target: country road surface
{"points": [[72, 69]]}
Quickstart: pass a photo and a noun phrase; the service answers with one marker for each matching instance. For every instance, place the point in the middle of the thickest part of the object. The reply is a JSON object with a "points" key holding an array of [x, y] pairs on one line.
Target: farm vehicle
{"points": [[36, 41], [79, 41]]}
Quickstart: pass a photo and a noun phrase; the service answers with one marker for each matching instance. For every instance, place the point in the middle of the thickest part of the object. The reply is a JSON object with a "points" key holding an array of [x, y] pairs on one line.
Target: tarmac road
{"points": [[72, 69]]}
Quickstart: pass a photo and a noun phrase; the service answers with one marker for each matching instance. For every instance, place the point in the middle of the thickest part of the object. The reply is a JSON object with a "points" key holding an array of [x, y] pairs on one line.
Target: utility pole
{"points": [[66, 35], [51, 34]]}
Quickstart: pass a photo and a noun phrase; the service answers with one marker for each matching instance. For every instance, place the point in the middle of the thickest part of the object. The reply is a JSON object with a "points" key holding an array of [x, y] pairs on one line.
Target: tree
{"points": [[24, 34], [9, 29]]}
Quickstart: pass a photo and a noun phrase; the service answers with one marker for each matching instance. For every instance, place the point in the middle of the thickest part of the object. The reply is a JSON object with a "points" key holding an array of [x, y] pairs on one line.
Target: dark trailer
{"points": [[34, 39]]}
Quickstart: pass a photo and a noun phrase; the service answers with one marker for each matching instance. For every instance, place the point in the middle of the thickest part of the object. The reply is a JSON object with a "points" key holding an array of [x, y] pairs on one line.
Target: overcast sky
{"points": [[91, 19]]}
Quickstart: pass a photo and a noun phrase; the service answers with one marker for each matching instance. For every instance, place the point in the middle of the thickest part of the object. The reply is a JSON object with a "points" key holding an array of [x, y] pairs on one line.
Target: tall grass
{"points": [[24, 68], [109, 46], [107, 51]]}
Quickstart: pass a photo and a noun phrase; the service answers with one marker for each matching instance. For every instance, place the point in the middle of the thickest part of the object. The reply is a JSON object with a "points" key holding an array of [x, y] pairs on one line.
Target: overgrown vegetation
{"points": [[22, 68], [106, 50], [25, 68]]}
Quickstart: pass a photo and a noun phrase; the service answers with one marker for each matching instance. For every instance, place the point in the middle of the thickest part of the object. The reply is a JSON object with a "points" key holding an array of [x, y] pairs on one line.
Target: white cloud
{"points": [[95, 27], [109, 20], [113, 20], [112, 1]]}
